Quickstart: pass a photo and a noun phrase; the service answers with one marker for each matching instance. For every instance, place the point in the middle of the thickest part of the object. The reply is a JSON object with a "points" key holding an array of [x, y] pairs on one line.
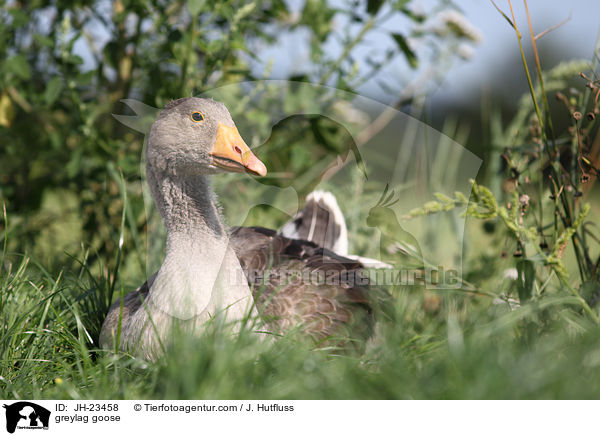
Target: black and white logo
{"points": [[26, 415]]}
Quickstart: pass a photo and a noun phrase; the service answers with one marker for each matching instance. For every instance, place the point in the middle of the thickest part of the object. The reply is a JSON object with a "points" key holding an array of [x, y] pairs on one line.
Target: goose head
{"points": [[194, 136]]}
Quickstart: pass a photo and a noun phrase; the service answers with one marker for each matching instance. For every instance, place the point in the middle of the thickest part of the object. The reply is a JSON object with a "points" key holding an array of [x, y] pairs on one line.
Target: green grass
{"points": [[66, 194], [444, 344], [466, 348], [436, 345]]}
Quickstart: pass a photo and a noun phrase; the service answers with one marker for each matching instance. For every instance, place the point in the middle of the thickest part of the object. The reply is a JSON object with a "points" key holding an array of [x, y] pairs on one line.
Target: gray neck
{"points": [[187, 205], [201, 274]]}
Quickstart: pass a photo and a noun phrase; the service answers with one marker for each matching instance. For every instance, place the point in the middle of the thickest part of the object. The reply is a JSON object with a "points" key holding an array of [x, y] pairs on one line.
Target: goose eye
{"points": [[197, 117]]}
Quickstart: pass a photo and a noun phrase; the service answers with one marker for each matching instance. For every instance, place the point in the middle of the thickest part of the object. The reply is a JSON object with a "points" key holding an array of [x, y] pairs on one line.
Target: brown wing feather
{"points": [[131, 303], [297, 282]]}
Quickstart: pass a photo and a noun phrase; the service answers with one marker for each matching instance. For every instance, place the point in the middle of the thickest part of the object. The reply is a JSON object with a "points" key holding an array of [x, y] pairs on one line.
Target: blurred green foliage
{"points": [[65, 66], [70, 182]]}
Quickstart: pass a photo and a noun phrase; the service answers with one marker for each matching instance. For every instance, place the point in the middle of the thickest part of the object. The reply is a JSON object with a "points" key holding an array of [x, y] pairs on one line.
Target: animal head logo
{"points": [[382, 212], [26, 415]]}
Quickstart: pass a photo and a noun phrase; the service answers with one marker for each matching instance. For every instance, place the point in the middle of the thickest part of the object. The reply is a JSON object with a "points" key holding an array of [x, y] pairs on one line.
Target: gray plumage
{"points": [[211, 270]]}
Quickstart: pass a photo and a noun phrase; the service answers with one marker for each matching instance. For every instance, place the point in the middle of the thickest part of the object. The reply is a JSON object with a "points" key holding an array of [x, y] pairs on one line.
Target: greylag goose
{"points": [[210, 270]]}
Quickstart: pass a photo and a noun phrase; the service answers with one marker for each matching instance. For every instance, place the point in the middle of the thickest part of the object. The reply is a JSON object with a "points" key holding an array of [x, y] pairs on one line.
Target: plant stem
{"points": [[586, 307], [368, 26], [524, 60], [568, 208]]}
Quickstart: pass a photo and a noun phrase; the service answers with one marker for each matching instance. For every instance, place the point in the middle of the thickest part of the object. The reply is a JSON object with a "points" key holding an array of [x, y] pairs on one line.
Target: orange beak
{"points": [[231, 153]]}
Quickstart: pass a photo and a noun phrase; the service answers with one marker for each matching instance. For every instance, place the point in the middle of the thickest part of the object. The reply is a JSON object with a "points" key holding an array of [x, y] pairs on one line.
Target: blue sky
{"points": [[576, 38], [464, 80]]}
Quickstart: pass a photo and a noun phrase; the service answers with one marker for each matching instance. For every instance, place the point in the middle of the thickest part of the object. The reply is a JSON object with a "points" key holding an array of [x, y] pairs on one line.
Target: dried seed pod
{"points": [[561, 250], [524, 201], [518, 253], [510, 184]]}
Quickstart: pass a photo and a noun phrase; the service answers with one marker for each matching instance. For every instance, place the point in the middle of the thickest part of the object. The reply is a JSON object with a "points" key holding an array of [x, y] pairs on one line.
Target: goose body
{"points": [[211, 270]]}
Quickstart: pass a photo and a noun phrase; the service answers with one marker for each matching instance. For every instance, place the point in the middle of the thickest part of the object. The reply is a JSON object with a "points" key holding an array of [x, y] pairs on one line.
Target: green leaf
{"points": [[525, 279], [74, 59], [414, 16], [20, 18], [373, 6], [7, 111], [318, 16], [411, 57], [53, 90], [242, 13], [43, 40], [504, 15], [590, 291], [18, 66], [86, 78], [195, 6]]}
